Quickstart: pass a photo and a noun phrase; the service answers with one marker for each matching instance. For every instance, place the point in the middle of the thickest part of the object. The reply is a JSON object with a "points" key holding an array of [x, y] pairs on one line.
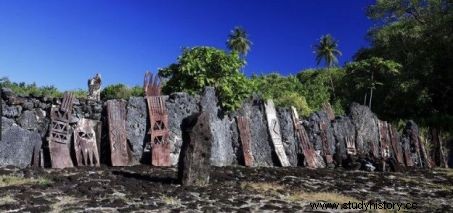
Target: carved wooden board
{"points": [[325, 144], [397, 149], [311, 158], [274, 131], [117, 132], [384, 139], [85, 145], [160, 144], [350, 146], [60, 133], [151, 85], [244, 133]]}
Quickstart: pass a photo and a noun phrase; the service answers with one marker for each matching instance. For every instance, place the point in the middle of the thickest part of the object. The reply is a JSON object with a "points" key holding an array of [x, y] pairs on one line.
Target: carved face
{"points": [[84, 133]]}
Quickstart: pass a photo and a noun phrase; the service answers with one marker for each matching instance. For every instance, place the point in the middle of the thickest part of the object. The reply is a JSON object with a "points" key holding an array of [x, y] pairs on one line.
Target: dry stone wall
{"points": [[351, 141]]}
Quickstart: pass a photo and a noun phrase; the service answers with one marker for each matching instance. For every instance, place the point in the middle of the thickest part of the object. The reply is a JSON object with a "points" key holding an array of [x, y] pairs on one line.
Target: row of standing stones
{"points": [[25, 124]]}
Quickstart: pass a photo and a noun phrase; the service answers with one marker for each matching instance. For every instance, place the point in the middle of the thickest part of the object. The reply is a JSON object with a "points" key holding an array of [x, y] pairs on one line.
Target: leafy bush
{"points": [[285, 91], [120, 91], [30, 89], [199, 67]]}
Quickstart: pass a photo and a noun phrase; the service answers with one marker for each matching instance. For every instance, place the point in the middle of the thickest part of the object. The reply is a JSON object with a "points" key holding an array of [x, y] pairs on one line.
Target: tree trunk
{"points": [[364, 99], [371, 97]]}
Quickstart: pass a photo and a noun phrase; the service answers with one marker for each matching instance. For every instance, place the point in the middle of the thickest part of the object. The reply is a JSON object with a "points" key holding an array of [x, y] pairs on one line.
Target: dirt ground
{"points": [[232, 189]]}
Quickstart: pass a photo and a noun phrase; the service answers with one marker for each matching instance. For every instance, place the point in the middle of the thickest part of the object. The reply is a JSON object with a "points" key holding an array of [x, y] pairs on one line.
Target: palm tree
{"points": [[238, 41], [327, 50]]}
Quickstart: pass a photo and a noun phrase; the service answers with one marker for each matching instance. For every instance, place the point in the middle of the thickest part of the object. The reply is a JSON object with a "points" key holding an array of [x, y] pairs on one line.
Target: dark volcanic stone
{"points": [[262, 150], [196, 151], [288, 136], [365, 123], [137, 122], [222, 148], [179, 106], [315, 134], [411, 142], [11, 111], [16, 147], [28, 120], [343, 129]]}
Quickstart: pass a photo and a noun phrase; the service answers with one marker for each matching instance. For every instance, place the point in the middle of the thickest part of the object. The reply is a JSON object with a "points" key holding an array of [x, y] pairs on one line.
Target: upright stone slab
{"points": [[196, 152], [262, 152], [244, 132], [60, 133], [179, 106], [117, 133], [17, 145], [344, 133], [288, 135], [222, 147], [416, 150], [274, 131], [85, 146], [137, 123], [367, 137]]}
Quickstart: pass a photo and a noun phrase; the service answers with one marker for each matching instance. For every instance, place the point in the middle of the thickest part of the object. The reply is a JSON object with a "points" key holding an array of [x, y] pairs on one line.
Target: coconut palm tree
{"points": [[327, 50], [238, 41]]}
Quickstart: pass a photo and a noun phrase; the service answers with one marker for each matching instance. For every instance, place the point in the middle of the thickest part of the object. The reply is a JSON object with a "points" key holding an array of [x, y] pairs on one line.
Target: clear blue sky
{"points": [[64, 42]]}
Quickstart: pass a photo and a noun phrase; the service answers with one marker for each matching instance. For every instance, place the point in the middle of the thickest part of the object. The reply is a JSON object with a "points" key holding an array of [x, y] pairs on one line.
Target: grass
{"points": [[171, 201], [7, 200], [261, 186], [331, 197], [63, 201], [446, 171], [293, 196], [9, 180]]}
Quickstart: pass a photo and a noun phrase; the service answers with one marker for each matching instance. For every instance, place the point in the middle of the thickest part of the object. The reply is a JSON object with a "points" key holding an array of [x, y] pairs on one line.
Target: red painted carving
{"points": [[117, 132], [160, 145], [60, 134], [244, 133], [151, 85], [325, 144], [397, 149], [85, 145]]}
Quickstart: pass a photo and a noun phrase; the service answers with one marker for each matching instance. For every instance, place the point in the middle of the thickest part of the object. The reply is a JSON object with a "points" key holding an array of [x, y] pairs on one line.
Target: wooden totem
{"points": [[60, 134], [160, 145], [274, 131], [117, 133], [244, 134], [85, 145]]}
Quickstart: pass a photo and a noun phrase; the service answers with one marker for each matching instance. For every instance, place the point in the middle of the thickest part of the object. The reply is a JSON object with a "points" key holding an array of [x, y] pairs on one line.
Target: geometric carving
{"points": [[151, 85], [85, 145], [274, 130], [60, 133], [311, 158], [160, 144], [350, 146], [244, 135], [117, 132]]}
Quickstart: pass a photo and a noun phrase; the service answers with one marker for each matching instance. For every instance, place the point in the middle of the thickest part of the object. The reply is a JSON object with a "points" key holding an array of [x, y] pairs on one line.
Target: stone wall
{"points": [[26, 121]]}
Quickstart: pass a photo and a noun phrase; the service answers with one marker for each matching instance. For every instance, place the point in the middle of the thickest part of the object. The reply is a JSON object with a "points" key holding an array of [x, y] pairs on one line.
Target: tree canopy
{"points": [[199, 67]]}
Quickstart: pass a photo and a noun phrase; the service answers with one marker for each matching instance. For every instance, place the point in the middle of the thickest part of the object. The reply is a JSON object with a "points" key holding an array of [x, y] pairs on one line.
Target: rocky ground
{"points": [[147, 189]]}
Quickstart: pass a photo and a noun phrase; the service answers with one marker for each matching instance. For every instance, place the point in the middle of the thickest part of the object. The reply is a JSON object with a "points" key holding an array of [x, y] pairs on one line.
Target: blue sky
{"points": [[64, 42]]}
